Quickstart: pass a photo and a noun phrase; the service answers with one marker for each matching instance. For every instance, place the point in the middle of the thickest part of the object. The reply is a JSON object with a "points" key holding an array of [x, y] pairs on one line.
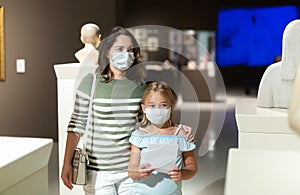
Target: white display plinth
{"points": [[264, 128], [68, 77], [24, 165], [261, 172]]}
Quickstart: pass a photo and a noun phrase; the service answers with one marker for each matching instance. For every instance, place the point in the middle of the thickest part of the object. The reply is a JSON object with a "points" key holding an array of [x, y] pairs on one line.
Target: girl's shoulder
{"points": [[137, 138]]}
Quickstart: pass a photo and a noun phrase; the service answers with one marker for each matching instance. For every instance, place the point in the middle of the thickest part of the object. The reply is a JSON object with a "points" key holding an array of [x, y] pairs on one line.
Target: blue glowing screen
{"points": [[251, 37]]}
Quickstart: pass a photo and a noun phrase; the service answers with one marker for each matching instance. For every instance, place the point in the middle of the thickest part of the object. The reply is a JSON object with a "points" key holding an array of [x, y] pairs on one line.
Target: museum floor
{"points": [[211, 167]]}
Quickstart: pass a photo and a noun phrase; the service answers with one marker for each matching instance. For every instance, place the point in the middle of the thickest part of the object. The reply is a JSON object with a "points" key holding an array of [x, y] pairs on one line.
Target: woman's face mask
{"points": [[158, 116], [122, 60]]}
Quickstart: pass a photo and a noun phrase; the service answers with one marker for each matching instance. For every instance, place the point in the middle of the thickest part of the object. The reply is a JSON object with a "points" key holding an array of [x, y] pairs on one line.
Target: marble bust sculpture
{"points": [[277, 81], [91, 38]]}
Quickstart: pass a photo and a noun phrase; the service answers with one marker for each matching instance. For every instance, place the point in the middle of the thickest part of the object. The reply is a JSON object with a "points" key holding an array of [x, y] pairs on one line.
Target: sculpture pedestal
{"points": [[68, 77], [24, 165], [268, 157], [262, 172], [264, 128]]}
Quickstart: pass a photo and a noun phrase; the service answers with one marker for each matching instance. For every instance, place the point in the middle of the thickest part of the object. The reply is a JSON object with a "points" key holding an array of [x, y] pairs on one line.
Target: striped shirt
{"points": [[113, 118]]}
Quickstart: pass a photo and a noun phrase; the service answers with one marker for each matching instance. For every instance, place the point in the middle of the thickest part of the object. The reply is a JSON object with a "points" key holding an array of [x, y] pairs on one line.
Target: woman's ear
{"points": [[108, 55]]}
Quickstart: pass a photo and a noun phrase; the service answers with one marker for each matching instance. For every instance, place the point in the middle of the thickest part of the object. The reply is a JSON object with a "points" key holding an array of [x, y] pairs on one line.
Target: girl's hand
{"points": [[175, 174], [144, 170], [189, 133]]}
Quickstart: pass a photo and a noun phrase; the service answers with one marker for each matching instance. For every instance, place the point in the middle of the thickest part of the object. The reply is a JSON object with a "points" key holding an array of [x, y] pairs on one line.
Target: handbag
{"points": [[79, 163], [80, 157]]}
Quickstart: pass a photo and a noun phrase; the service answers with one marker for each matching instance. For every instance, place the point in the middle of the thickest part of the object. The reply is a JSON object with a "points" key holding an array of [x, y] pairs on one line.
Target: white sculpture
{"points": [[294, 107], [276, 84], [91, 38]]}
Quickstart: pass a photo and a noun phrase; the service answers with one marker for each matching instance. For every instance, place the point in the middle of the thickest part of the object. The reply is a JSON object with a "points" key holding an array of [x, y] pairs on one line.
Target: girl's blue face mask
{"points": [[122, 60]]}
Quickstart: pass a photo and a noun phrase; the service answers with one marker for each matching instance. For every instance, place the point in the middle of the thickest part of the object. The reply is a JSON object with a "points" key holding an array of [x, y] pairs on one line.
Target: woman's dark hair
{"points": [[105, 46]]}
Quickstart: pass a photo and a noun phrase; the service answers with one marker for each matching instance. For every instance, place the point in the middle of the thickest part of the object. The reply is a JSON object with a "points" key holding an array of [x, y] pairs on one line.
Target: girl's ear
{"points": [[143, 108]]}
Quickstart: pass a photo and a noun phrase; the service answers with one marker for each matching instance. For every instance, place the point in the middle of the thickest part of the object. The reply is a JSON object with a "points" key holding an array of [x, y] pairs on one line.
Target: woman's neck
{"points": [[119, 76], [116, 73]]}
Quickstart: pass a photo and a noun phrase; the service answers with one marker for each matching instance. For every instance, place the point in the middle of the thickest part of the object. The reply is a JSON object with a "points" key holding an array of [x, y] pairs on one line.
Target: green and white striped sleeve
{"points": [[79, 115]]}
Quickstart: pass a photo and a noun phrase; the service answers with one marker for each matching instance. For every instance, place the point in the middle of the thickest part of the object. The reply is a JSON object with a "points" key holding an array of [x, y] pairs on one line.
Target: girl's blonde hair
{"points": [[166, 92]]}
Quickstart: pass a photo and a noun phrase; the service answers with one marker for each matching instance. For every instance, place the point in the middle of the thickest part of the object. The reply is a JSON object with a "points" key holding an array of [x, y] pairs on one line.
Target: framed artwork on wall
{"points": [[2, 54]]}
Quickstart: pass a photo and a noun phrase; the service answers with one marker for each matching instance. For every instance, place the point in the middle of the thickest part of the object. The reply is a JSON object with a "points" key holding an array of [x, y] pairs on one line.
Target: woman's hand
{"points": [[175, 174], [189, 133], [67, 172], [67, 175]]}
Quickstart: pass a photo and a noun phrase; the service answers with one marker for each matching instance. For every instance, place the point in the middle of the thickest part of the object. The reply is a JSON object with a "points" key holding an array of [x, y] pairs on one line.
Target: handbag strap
{"points": [[85, 136]]}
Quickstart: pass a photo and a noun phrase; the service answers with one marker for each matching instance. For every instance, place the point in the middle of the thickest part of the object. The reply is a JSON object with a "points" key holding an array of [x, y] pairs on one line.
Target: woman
{"points": [[116, 104]]}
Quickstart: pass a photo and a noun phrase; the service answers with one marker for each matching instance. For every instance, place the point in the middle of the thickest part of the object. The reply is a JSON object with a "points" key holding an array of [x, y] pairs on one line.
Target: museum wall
{"points": [[189, 14], [198, 15], [44, 33]]}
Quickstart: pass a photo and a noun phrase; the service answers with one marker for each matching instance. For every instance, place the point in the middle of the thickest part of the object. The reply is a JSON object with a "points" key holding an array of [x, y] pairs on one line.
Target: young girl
{"points": [[157, 127]]}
